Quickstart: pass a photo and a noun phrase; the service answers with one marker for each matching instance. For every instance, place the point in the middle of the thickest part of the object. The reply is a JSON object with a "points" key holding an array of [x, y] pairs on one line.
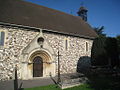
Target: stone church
{"points": [[32, 35]]}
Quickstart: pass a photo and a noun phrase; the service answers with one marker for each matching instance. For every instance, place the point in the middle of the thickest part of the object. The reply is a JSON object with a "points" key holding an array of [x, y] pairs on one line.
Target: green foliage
{"points": [[112, 51], [118, 42], [105, 51], [107, 82], [98, 53], [99, 31], [81, 87]]}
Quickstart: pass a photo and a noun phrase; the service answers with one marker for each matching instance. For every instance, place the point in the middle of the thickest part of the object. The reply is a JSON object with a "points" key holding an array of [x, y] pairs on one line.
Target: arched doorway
{"points": [[38, 50], [40, 64], [37, 66]]}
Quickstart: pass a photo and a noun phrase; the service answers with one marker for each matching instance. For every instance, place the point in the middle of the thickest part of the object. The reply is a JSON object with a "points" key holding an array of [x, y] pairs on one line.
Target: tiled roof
{"points": [[28, 14]]}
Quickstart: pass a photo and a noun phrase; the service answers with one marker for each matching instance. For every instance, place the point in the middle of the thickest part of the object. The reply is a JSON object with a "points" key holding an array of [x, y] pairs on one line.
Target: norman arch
{"points": [[40, 65], [45, 63]]}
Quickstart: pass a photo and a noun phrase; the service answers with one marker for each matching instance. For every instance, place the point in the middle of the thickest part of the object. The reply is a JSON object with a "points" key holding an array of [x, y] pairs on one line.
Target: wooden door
{"points": [[37, 67]]}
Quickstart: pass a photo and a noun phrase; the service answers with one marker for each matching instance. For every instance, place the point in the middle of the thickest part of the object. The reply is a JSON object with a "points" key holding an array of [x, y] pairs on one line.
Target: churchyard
{"points": [[96, 83], [45, 49], [99, 78]]}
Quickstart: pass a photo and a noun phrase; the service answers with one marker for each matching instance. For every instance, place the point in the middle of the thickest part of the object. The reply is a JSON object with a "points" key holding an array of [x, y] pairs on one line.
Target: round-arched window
{"points": [[40, 41]]}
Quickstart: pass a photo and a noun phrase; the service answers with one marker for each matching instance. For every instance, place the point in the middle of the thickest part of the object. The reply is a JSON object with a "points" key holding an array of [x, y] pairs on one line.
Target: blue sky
{"points": [[100, 12]]}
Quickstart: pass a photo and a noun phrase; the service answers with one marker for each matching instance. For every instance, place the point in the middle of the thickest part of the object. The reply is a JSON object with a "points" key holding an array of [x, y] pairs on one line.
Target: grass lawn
{"points": [[54, 87]]}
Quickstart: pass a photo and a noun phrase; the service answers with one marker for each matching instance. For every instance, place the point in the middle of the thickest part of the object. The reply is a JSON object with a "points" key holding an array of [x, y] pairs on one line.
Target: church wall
{"points": [[68, 58], [15, 42], [17, 39]]}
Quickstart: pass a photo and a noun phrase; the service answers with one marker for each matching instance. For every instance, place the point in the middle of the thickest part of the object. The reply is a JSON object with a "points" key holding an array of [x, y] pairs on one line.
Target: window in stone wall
{"points": [[86, 45], [2, 36], [66, 44]]}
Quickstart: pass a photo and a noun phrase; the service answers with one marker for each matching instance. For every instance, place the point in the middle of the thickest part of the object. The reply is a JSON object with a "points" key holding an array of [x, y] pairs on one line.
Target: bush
{"points": [[98, 53], [105, 52]]}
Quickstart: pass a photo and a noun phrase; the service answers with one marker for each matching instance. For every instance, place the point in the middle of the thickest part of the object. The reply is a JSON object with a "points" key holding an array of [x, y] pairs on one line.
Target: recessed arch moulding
{"points": [[32, 50]]}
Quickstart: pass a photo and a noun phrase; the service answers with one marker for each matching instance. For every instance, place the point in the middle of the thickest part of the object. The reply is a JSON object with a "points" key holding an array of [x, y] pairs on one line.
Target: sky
{"points": [[100, 12]]}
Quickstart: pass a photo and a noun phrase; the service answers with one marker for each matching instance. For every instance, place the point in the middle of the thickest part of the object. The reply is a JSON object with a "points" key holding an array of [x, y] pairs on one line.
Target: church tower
{"points": [[82, 13]]}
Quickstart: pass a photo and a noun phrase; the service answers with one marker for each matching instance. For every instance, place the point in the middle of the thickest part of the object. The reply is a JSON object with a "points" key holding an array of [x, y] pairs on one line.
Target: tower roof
{"points": [[83, 8], [28, 14]]}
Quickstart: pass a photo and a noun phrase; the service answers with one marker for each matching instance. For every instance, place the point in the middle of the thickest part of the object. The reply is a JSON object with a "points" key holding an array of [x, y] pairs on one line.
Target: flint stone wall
{"points": [[18, 38]]}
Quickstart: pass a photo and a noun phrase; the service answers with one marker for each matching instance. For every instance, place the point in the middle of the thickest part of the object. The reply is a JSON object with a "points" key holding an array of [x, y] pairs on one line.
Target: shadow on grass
{"points": [[99, 82]]}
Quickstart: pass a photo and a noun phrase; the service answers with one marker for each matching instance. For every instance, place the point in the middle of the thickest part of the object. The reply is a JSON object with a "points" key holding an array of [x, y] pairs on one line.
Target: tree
{"points": [[105, 49], [98, 52], [118, 42], [99, 31], [105, 52], [112, 51]]}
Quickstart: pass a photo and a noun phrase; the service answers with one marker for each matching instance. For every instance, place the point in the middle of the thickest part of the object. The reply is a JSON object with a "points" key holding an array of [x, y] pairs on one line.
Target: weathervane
{"points": [[82, 3]]}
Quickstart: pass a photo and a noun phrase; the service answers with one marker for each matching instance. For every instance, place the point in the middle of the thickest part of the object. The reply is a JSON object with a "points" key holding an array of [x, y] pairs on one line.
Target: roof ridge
{"points": [[21, 12], [49, 8]]}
